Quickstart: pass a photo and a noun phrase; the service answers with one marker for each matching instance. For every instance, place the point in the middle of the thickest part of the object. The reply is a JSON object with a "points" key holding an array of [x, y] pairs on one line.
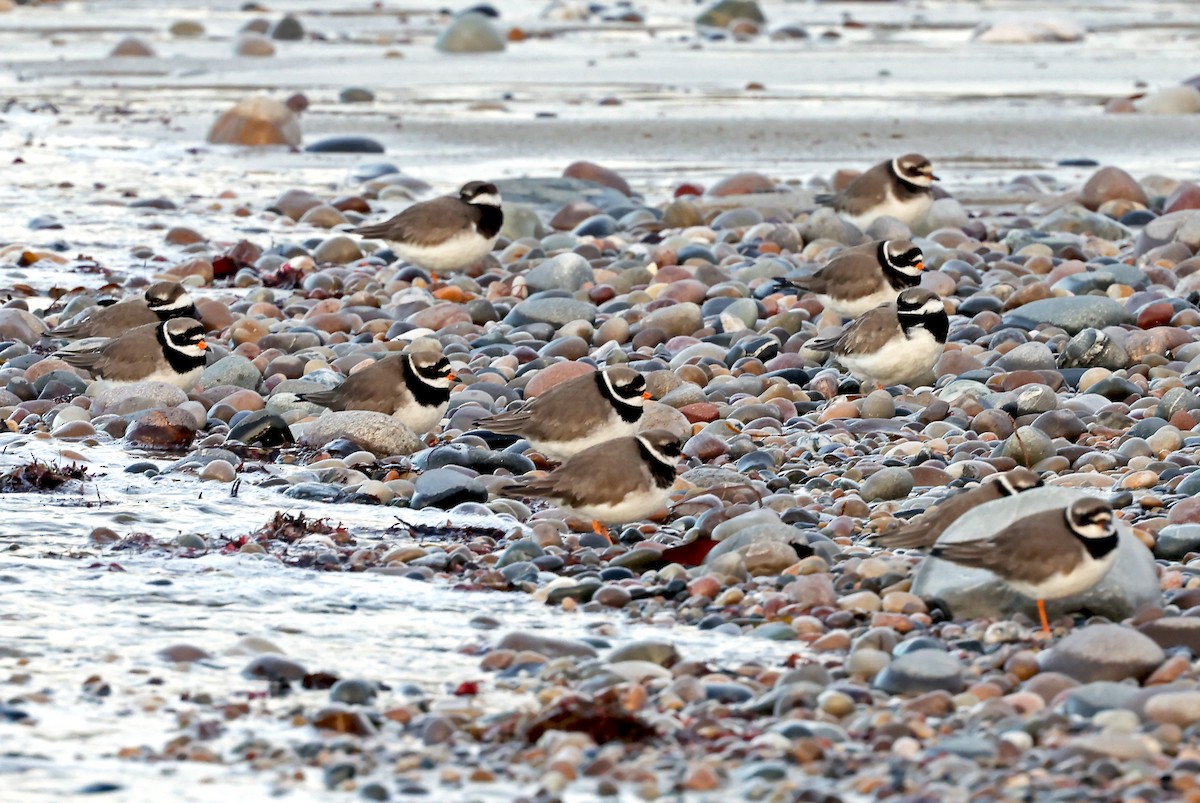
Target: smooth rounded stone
{"points": [[1092, 348], [974, 593], [921, 671], [1060, 424], [1072, 313], [314, 492], [274, 668], [887, 484], [337, 250], [1176, 400], [1185, 196], [597, 174], [287, 29], [1103, 652], [660, 653], [233, 370], [1110, 183], [1175, 541], [1171, 632], [826, 224], [132, 47], [1180, 708], [470, 33], [20, 325], [1029, 30], [567, 271], [261, 428], [1028, 400], [345, 144], [1182, 99], [444, 488], [256, 121], [1027, 446], [1103, 695], [186, 29], [378, 433], [676, 320], [524, 549], [548, 646], [356, 94], [161, 429], [1075, 219], [1031, 356], [554, 311], [723, 12], [72, 430], [253, 45], [878, 404], [295, 203], [946, 213], [218, 471], [350, 691]]}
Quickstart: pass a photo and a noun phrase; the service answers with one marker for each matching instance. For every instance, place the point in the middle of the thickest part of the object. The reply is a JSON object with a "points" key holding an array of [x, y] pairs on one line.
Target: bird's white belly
{"points": [[459, 252], [1058, 586], [901, 361], [854, 307], [558, 451], [908, 211], [634, 507], [418, 418], [185, 381]]}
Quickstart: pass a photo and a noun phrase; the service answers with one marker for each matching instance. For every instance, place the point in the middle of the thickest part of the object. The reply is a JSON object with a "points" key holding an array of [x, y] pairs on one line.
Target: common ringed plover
{"points": [[1046, 556], [859, 279], [901, 188], [616, 482], [413, 387], [577, 414], [161, 301], [171, 351], [893, 344], [446, 234], [924, 530]]}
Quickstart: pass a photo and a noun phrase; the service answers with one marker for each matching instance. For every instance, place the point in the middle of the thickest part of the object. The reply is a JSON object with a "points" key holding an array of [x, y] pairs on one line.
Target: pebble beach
{"points": [[230, 593]]}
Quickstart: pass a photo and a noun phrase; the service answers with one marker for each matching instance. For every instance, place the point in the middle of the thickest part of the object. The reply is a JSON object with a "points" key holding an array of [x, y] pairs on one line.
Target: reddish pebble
{"points": [[705, 586], [700, 412], [1186, 196], [742, 184], [688, 188], [589, 171], [1157, 314], [554, 374]]}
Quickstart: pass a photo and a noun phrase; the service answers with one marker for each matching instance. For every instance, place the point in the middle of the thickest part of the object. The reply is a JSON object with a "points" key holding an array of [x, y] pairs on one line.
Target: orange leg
{"points": [[1042, 612], [601, 530]]}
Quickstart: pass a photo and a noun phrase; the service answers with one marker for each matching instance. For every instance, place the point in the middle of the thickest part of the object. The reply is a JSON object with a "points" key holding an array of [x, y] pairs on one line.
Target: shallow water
{"points": [[118, 126]]}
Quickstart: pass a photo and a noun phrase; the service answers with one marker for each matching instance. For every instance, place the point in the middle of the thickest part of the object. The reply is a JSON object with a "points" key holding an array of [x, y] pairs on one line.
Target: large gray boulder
{"points": [[375, 432], [969, 593]]}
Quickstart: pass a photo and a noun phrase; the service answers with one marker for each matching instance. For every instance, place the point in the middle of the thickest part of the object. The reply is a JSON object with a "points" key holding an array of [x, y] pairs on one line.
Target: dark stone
{"points": [[348, 144], [262, 428]]}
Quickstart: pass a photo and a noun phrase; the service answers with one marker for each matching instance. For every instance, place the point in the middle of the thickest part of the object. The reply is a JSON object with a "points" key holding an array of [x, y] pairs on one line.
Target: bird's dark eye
{"points": [[912, 256]]}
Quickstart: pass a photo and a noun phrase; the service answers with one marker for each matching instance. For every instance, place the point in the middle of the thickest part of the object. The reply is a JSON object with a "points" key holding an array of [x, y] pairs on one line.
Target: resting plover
{"points": [[616, 482], [1046, 556], [161, 301], [171, 351], [893, 344], [413, 387], [577, 414], [446, 234], [859, 279], [901, 188], [924, 530]]}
